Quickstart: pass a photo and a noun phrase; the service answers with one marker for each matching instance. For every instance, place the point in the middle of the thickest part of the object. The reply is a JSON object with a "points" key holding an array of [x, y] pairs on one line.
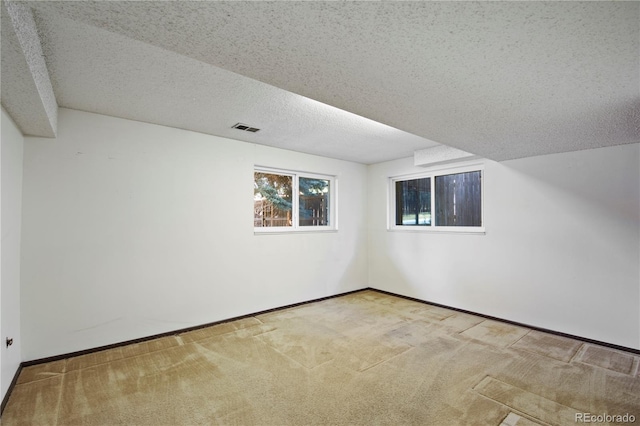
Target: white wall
{"points": [[132, 229], [561, 249], [11, 179]]}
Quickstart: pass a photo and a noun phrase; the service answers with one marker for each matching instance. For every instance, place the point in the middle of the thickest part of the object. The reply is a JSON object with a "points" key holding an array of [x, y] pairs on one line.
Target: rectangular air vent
{"points": [[244, 127]]}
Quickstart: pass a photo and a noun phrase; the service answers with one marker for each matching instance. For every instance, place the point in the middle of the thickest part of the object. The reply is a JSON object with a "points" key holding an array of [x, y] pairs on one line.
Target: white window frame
{"points": [[432, 173], [295, 204]]}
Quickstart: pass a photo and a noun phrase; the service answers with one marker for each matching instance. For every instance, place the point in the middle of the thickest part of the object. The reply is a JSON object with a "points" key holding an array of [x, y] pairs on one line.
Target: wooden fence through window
{"points": [[314, 211], [265, 214]]}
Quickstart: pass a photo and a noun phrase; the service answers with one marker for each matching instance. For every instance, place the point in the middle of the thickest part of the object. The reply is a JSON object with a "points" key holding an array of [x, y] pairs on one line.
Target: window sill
{"points": [[440, 230], [295, 231]]}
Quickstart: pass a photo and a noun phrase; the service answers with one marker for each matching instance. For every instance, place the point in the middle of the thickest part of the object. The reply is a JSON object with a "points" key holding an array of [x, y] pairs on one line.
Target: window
{"points": [[459, 199], [438, 201], [413, 202], [292, 201]]}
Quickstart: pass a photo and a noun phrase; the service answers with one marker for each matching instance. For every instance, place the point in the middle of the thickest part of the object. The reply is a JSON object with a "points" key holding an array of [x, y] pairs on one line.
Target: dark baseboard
{"points": [[533, 327], [175, 332], [11, 386], [197, 327]]}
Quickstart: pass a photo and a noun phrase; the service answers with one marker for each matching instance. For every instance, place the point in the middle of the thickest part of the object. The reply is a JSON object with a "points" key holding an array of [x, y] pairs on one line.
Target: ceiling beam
{"points": [[440, 155], [26, 93]]}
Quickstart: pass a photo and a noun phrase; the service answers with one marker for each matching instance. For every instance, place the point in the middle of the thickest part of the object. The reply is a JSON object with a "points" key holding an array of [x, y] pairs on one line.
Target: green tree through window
{"points": [[291, 200]]}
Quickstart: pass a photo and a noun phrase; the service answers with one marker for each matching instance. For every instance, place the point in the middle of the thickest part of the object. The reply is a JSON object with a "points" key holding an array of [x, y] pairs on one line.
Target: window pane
{"points": [[413, 202], [272, 199], [458, 200], [314, 202]]}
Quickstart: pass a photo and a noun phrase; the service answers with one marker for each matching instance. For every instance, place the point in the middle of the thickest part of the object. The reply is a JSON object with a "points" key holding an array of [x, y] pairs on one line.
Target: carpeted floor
{"points": [[362, 359]]}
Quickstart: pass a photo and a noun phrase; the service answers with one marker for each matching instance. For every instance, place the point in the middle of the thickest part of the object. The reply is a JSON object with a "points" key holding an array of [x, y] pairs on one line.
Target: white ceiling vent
{"points": [[244, 127]]}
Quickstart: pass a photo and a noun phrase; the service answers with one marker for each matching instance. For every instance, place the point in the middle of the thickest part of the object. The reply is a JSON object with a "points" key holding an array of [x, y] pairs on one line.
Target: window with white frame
{"points": [[286, 200], [449, 199]]}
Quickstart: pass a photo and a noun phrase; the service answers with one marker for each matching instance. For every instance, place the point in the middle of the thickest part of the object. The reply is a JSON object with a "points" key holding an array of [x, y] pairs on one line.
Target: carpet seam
{"points": [[580, 350], [520, 338], [524, 414], [388, 359], [62, 384], [636, 363]]}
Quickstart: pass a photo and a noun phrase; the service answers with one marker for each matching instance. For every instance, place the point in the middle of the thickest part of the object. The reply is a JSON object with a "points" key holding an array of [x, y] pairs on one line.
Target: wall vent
{"points": [[244, 127]]}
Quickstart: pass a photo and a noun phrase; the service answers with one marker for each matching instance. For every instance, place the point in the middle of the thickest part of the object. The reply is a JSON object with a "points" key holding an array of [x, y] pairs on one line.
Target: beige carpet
{"points": [[361, 359]]}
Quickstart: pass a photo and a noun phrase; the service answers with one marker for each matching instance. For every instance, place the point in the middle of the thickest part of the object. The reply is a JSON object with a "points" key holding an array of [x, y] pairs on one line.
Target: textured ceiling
{"points": [[497, 79], [28, 96], [98, 71]]}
